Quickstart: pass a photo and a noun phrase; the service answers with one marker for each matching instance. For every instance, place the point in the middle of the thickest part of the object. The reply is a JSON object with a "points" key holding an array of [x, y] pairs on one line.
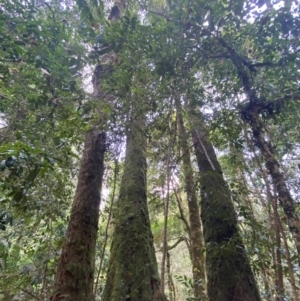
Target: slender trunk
{"points": [[273, 168], [133, 272], [279, 272], [116, 169], [264, 267], [229, 275], [165, 229], [172, 292], [273, 221], [196, 236], [75, 274], [287, 250], [181, 214], [251, 115]]}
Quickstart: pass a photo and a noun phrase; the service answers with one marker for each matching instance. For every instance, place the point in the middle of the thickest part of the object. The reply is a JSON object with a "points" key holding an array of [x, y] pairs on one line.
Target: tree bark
{"points": [[75, 273], [287, 250], [195, 228], [133, 272], [171, 285], [279, 272], [165, 226], [273, 167], [229, 275], [251, 115]]}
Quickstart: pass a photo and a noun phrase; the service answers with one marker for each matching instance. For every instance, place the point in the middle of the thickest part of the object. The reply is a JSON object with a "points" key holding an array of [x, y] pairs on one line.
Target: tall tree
{"points": [[241, 55], [132, 273], [229, 275], [75, 274], [197, 250], [251, 113]]}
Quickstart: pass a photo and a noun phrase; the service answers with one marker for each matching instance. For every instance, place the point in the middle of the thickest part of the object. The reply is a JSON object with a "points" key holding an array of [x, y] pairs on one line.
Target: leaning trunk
{"points": [[287, 250], [75, 274], [132, 273], [251, 114], [229, 275], [194, 211], [273, 167]]}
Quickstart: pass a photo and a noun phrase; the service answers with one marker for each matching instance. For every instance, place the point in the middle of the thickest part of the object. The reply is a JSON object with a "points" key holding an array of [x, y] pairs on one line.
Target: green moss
{"points": [[133, 267], [229, 276]]}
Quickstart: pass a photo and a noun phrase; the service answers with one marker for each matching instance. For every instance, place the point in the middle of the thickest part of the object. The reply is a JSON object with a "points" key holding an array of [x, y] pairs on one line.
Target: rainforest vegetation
{"points": [[149, 150]]}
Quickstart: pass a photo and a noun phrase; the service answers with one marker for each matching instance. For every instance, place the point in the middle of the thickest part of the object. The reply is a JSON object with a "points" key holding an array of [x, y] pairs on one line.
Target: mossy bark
{"points": [[75, 274], [133, 273], [195, 235], [229, 275]]}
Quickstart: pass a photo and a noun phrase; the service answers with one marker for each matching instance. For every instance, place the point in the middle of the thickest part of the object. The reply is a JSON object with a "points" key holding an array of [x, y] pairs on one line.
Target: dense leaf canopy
{"points": [[224, 61]]}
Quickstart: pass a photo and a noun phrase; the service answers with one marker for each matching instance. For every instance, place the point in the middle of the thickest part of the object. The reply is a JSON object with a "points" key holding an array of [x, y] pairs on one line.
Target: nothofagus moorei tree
{"points": [[229, 275], [75, 273], [133, 272]]}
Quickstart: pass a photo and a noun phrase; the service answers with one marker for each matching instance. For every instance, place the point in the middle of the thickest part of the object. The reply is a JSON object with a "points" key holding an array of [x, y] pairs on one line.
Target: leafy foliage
{"points": [[202, 52]]}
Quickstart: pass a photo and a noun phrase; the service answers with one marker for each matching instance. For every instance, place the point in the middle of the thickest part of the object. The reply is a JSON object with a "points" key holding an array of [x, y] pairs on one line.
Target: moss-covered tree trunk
{"points": [[229, 275], [196, 237], [133, 273], [75, 273]]}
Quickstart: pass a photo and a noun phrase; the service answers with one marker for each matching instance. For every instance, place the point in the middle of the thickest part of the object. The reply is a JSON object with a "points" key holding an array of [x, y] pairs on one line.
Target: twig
{"points": [[162, 15], [176, 243], [186, 223], [3, 96], [30, 294], [53, 15]]}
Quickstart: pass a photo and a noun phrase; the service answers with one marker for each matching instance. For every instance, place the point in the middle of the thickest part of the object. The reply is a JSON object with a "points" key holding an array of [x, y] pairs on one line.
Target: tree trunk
{"points": [[289, 262], [251, 114], [195, 234], [165, 226], [229, 275], [273, 221], [133, 272], [75, 274], [171, 285], [279, 273], [273, 167], [287, 250]]}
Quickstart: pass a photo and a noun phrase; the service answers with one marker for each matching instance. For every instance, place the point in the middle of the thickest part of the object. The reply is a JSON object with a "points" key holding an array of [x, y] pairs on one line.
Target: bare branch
{"points": [[176, 243], [3, 96], [30, 294]]}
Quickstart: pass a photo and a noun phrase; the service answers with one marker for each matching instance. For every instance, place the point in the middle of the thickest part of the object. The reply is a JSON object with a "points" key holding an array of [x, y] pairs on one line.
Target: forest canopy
{"points": [[149, 150]]}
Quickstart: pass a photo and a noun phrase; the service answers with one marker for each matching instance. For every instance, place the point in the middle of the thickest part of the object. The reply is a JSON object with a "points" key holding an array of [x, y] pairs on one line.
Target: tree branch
{"points": [[53, 15], [162, 15], [30, 294], [3, 96], [176, 243], [186, 223]]}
